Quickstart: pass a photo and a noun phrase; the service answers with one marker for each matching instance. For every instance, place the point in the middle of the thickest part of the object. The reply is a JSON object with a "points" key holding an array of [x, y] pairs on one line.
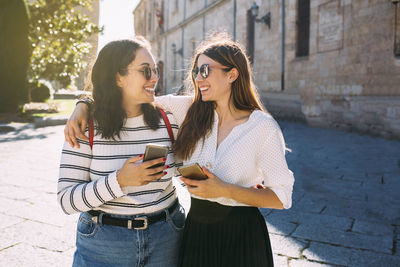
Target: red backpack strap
{"points": [[91, 132], [166, 120]]}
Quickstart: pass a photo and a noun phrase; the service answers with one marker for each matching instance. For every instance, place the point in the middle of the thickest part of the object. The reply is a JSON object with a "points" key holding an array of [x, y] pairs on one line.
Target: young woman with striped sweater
{"points": [[130, 215]]}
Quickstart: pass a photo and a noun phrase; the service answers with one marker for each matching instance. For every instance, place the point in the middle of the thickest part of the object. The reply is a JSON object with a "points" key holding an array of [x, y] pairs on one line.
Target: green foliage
{"points": [[58, 33], [14, 54], [39, 92]]}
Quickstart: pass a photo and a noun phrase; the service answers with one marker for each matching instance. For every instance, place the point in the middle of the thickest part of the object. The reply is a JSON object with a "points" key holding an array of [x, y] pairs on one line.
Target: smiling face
{"points": [[135, 88], [217, 86]]}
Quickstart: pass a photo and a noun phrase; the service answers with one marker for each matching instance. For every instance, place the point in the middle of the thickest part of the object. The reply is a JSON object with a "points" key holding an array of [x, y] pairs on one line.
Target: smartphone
{"points": [[154, 151], [193, 171]]}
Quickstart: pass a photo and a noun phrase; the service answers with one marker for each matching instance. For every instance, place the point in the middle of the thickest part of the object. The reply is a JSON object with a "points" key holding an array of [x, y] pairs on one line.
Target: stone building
{"points": [[331, 63]]}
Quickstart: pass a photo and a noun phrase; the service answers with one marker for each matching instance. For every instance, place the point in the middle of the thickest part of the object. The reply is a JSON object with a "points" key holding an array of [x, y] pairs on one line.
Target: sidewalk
{"points": [[346, 209]]}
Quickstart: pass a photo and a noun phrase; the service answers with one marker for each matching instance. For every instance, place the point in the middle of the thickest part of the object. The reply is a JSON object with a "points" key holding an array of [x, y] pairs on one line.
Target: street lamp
{"points": [[173, 48], [266, 18]]}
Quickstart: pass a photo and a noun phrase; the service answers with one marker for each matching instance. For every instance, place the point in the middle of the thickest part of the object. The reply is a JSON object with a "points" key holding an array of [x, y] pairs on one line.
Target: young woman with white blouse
{"points": [[225, 129]]}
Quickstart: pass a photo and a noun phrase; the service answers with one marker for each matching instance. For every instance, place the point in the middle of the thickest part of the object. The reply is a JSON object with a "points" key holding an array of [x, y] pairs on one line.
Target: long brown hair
{"points": [[108, 112], [200, 117]]}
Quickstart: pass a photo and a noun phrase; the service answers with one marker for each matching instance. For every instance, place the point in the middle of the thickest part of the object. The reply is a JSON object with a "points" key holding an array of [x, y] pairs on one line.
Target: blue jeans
{"points": [[106, 245]]}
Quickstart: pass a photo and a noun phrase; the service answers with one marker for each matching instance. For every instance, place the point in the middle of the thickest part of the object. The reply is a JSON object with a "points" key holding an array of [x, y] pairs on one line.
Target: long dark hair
{"points": [[108, 112], [200, 117]]}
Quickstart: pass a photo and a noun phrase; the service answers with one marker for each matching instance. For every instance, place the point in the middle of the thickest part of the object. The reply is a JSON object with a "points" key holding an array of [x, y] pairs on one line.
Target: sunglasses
{"points": [[205, 70], [147, 72]]}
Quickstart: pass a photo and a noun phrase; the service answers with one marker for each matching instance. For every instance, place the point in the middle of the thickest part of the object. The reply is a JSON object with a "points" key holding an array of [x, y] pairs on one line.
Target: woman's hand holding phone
{"points": [[212, 187], [133, 173]]}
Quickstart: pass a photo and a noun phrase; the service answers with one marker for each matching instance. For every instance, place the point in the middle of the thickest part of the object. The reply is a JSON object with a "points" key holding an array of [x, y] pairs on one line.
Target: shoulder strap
{"points": [[166, 120], [91, 132]]}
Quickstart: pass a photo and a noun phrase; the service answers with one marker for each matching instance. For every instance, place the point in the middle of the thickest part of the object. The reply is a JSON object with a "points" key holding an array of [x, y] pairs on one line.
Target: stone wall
{"points": [[349, 80]]}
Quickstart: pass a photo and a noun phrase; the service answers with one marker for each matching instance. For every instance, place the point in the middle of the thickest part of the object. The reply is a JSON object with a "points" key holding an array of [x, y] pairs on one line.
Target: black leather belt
{"points": [[138, 223]]}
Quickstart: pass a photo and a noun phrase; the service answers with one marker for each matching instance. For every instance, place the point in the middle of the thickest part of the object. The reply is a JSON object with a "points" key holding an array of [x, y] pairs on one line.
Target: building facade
{"points": [[331, 63]]}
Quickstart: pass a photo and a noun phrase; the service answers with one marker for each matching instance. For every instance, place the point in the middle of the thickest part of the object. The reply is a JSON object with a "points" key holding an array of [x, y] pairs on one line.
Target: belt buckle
{"points": [[95, 219], [145, 223]]}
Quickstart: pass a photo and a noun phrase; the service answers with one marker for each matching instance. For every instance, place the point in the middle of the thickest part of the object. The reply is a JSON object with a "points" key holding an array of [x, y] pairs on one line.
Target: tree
{"points": [[14, 54], [58, 33]]}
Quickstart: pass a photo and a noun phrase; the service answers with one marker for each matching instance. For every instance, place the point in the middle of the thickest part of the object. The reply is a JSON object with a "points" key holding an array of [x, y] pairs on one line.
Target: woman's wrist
{"points": [[120, 178], [228, 190], [87, 101]]}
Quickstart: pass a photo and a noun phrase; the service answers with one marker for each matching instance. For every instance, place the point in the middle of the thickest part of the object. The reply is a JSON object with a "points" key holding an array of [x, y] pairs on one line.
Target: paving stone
{"points": [[397, 253], [7, 221], [265, 212], [48, 187], [286, 246], [26, 255], [283, 228], [306, 263], [21, 178], [69, 253], [327, 189], [15, 192], [373, 228], [383, 193], [39, 235], [9, 204], [348, 239], [309, 204], [373, 178], [354, 177], [44, 198], [276, 217], [41, 212], [364, 210], [349, 257], [280, 261], [392, 179]]}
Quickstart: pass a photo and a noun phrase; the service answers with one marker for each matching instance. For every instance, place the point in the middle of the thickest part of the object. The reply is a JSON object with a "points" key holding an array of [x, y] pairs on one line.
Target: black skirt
{"points": [[218, 235]]}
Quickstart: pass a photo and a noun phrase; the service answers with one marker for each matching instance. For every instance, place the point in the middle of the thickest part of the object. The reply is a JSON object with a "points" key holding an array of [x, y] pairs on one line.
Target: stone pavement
{"points": [[346, 205]]}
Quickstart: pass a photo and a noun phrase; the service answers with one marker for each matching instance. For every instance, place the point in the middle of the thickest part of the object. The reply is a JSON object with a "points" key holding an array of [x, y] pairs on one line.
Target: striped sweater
{"points": [[87, 177]]}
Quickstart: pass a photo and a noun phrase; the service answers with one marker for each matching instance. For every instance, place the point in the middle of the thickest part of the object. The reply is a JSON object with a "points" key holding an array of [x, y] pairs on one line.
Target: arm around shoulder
{"points": [[177, 105]]}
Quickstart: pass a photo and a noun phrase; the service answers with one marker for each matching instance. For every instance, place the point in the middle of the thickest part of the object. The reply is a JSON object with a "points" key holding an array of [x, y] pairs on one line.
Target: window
{"points": [[150, 18], [193, 45], [396, 48], [303, 28], [250, 36], [144, 17], [176, 4]]}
